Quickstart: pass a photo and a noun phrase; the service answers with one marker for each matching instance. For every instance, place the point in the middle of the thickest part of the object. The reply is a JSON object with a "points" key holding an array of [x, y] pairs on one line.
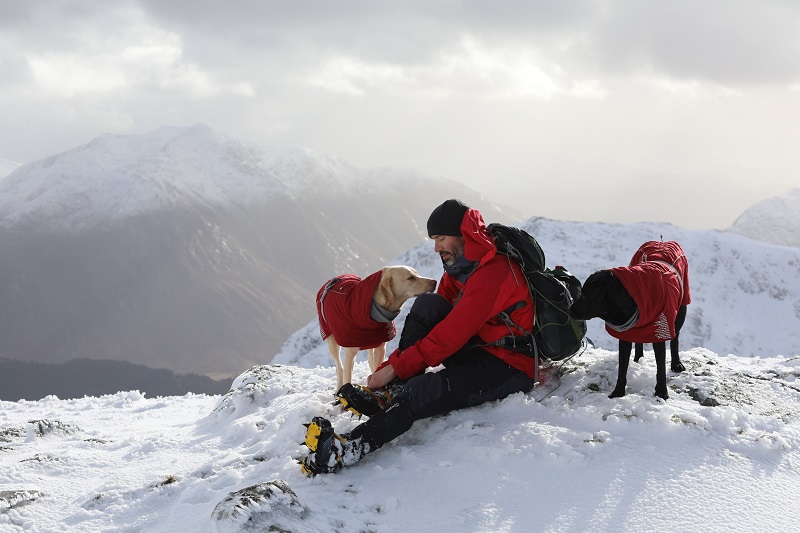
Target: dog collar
{"points": [[379, 314]]}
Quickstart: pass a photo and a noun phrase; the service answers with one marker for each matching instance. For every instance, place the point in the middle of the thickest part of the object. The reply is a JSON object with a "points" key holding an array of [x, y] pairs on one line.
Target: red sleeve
{"points": [[386, 362], [447, 287], [481, 300]]}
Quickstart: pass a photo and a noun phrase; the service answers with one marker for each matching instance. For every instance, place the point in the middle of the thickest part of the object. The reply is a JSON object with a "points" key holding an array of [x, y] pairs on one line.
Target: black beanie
{"points": [[446, 219]]}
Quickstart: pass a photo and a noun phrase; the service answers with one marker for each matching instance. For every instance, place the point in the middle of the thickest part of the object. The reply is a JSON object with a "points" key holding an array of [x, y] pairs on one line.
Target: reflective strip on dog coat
{"points": [[343, 308]]}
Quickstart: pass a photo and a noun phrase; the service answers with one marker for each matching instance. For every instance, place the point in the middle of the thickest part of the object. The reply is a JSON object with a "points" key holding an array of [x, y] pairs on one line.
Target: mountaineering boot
{"points": [[360, 400], [329, 451], [325, 446], [397, 391]]}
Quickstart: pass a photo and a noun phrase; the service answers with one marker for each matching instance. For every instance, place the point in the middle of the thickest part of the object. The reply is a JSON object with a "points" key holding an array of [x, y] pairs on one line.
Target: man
{"points": [[482, 297]]}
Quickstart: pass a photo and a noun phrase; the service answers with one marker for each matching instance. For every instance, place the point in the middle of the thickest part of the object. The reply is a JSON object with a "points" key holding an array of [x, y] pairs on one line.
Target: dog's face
{"points": [[603, 296], [398, 284]]}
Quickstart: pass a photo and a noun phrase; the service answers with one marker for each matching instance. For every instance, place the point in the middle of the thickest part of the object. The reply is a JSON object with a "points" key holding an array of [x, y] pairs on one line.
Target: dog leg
{"points": [[675, 358], [376, 356], [675, 362], [622, 375], [333, 348], [638, 351], [349, 359], [660, 349]]}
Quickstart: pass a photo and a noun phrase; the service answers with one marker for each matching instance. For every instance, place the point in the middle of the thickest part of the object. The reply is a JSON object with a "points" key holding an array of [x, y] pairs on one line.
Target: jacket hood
{"points": [[478, 244]]}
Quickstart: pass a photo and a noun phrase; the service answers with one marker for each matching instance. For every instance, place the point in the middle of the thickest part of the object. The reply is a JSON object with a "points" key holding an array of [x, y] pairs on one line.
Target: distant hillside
{"points": [[188, 250], [6, 167], [775, 220], [87, 377], [745, 293]]}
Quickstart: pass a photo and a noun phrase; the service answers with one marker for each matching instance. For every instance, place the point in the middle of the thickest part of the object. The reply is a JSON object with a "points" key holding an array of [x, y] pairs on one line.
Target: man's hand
{"points": [[382, 377]]}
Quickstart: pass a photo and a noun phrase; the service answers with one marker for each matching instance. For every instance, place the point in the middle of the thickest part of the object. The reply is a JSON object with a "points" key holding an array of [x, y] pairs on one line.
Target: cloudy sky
{"points": [[685, 111]]}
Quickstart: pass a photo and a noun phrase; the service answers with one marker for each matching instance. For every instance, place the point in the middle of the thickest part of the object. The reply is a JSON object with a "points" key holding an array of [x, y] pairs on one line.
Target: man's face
{"points": [[449, 248]]}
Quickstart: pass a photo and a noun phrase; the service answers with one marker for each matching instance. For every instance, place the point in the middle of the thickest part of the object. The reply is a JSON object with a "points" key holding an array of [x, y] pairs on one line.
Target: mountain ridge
{"points": [[127, 175], [77, 378], [775, 220]]}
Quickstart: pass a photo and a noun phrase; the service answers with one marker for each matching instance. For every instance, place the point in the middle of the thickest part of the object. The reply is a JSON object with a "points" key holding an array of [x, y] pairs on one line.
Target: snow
{"points": [[722, 454]]}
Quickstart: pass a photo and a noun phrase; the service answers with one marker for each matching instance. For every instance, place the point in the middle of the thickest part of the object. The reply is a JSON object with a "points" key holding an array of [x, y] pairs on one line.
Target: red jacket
{"points": [[667, 252], [343, 307], [494, 286], [657, 292]]}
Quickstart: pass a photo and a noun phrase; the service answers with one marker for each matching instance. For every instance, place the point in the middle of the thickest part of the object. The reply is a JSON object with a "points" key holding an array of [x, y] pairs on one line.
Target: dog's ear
{"points": [[385, 294]]}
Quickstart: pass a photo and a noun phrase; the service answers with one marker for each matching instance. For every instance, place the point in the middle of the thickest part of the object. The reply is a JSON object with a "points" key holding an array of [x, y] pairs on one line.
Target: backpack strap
{"points": [[505, 315], [524, 343]]}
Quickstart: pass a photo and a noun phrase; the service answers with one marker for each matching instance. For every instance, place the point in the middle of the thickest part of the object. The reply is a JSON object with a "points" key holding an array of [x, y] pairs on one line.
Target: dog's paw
{"points": [[677, 366], [662, 393], [619, 392]]}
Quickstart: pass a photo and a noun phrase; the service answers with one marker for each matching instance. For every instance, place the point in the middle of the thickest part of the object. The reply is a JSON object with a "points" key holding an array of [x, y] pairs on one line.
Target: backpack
{"points": [[556, 335]]}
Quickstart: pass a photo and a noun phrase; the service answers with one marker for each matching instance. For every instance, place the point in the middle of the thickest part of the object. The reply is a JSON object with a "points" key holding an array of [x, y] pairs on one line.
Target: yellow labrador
{"points": [[358, 314]]}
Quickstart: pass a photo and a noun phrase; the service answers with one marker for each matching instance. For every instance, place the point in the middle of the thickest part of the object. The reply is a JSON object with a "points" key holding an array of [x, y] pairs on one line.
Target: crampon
{"points": [[325, 446], [360, 400]]}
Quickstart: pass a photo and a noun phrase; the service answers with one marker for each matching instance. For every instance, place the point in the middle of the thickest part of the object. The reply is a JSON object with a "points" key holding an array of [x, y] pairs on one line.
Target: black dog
{"points": [[644, 302]]}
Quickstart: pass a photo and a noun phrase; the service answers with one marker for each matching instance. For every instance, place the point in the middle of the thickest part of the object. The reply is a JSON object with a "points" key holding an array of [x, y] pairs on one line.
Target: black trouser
{"points": [[470, 377]]}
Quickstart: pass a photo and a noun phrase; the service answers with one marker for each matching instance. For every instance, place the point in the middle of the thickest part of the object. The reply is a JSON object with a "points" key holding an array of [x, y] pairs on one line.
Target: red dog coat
{"points": [[666, 252], [343, 307], [658, 281]]}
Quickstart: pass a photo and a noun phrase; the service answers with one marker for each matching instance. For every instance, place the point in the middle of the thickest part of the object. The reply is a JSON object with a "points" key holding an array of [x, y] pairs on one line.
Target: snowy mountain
{"points": [[6, 167], [745, 293], [189, 250], [775, 220], [118, 177], [720, 455]]}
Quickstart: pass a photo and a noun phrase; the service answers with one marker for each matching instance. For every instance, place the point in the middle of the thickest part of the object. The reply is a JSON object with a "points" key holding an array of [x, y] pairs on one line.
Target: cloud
{"points": [[727, 43], [693, 89], [482, 92], [469, 69], [137, 56], [355, 77]]}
